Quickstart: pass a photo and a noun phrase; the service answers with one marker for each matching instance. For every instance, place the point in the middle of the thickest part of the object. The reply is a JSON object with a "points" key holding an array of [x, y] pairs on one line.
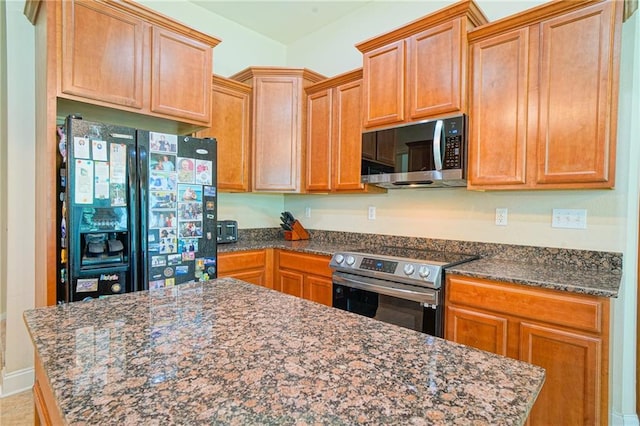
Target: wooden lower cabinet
{"points": [[565, 333], [254, 266], [304, 275]]}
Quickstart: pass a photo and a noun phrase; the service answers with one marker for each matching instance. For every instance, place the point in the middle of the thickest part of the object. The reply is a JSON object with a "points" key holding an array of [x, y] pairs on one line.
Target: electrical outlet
{"points": [[372, 213], [307, 212], [569, 218], [502, 216]]}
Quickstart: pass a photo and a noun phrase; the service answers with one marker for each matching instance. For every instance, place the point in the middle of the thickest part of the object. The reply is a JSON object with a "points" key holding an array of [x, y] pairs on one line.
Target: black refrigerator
{"points": [[137, 210]]}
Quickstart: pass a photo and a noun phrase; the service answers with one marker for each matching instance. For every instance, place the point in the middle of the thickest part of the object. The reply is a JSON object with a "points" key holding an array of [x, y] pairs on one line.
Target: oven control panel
{"points": [[378, 265], [388, 268]]}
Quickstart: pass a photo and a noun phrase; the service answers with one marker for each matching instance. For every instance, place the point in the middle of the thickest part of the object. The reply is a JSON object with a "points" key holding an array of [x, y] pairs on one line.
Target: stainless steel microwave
{"points": [[431, 153]]}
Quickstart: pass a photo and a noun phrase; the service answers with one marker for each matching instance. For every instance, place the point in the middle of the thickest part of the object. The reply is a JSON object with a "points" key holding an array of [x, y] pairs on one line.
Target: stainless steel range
{"points": [[402, 286]]}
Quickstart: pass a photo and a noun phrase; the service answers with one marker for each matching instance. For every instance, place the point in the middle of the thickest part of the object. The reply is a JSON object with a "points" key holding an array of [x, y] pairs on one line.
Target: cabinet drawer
{"points": [[307, 263], [570, 310], [229, 262]]}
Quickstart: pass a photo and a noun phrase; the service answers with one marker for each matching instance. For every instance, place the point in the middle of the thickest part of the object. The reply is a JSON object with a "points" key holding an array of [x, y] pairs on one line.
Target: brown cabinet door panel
{"points": [[498, 110], [572, 390], [384, 82], [277, 143], [102, 54], [180, 76], [290, 282], [481, 330], [319, 289], [230, 125], [347, 137], [575, 97], [319, 130], [239, 261], [434, 67]]}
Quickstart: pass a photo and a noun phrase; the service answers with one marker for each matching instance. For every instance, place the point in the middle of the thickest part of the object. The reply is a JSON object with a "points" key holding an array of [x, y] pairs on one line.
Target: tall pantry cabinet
{"points": [[111, 61]]}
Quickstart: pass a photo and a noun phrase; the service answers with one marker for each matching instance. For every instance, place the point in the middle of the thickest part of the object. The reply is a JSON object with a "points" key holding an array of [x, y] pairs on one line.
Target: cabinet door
{"points": [[230, 125], [319, 289], [102, 54], [384, 84], [180, 76], [498, 110], [576, 141], [290, 282], [482, 330], [347, 137], [435, 70], [277, 134], [573, 387], [319, 131]]}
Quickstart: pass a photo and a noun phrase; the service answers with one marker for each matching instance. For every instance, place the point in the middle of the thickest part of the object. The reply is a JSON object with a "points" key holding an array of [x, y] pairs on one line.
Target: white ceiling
{"points": [[283, 21]]}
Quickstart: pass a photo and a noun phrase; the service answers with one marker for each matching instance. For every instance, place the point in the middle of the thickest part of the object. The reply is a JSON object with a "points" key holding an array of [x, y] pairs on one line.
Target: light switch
{"points": [[569, 218]]}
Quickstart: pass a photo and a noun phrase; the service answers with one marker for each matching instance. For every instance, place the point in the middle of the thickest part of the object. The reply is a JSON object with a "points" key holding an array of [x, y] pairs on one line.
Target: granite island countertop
{"points": [[229, 352]]}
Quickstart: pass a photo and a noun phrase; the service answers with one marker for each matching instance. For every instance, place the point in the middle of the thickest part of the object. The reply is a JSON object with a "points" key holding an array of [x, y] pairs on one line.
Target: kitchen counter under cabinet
{"points": [[226, 351], [585, 280]]}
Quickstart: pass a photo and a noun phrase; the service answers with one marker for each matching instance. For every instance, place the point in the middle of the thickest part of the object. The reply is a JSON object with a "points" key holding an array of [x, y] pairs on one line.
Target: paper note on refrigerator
{"points": [[83, 193], [101, 180]]}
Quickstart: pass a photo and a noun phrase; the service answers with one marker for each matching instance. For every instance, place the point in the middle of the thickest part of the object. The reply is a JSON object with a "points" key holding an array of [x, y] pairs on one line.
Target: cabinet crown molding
{"points": [[465, 8], [337, 80], [528, 17], [224, 81], [250, 72]]}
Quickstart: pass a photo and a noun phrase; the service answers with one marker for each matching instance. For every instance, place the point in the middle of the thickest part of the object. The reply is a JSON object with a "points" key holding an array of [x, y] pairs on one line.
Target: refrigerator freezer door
{"points": [[101, 208]]}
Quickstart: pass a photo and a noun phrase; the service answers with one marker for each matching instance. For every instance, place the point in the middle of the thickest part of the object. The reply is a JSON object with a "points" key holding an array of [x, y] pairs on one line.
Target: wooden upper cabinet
{"points": [[436, 86], [347, 137], [124, 56], [102, 54], [231, 125], [419, 70], [498, 110], [384, 79], [334, 135], [543, 98], [578, 96], [279, 126], [319, 131], [180, 76]]}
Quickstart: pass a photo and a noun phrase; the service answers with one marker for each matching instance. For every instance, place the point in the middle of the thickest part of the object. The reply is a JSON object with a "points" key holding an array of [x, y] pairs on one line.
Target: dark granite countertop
{"points": [[303, 246], [229, 352], [585, 281], [577, 271]]}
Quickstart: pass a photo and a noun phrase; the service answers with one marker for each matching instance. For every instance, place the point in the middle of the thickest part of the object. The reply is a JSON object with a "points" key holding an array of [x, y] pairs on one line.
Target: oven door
{"points": [[407, 306]]}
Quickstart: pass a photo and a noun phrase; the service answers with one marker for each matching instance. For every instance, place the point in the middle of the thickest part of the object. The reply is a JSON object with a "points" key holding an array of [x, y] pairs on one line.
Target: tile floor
{"points": [[17, 409]]}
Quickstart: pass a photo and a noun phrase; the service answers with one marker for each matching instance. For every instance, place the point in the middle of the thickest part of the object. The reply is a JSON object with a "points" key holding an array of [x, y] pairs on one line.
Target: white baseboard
{"points": [[618, 419], [17, 381]]}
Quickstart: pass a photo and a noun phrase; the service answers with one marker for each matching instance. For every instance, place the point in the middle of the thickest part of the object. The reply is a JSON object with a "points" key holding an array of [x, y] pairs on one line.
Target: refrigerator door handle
{"points": [[143, 203], [133, 216]]}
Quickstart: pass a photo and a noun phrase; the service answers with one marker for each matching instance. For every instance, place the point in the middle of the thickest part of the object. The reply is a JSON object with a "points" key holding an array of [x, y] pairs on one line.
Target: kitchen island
{"points": [[229, 352]]}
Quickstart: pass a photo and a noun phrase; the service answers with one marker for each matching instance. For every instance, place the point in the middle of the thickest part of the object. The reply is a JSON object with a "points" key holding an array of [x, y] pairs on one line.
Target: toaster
{"points": [[227, 231]]}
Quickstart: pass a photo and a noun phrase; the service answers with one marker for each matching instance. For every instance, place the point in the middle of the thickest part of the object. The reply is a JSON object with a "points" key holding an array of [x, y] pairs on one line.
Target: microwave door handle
{"points": [[437, 144]]}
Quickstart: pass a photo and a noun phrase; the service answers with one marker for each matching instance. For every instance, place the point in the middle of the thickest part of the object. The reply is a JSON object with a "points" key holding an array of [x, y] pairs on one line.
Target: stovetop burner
{"points": [[435, 257]]}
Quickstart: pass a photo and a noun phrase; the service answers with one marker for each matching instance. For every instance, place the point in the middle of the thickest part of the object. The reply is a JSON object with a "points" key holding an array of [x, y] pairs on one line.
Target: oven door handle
{"points": [[425, 296]]}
